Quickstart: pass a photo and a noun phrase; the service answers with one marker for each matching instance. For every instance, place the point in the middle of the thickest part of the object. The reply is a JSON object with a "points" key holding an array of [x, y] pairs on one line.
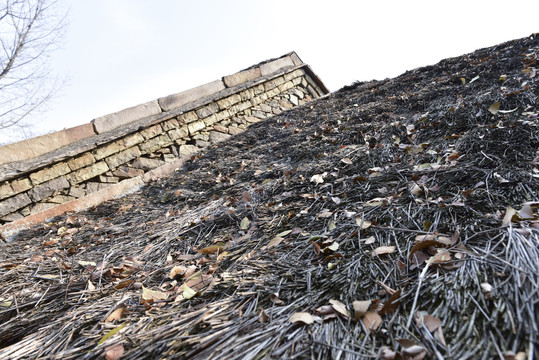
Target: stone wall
{"points": [[128, 144]]}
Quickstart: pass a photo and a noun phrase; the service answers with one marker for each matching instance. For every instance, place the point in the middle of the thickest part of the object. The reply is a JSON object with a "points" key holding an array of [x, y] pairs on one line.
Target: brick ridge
{"points": [[120, 189], [16, 169], [105, 124]]}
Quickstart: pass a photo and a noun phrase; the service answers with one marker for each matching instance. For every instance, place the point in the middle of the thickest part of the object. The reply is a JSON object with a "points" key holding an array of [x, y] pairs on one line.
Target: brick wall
{"points": [[130, 143]]}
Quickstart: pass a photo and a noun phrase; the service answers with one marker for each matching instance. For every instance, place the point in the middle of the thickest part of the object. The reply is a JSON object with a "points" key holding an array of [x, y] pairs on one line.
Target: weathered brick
{"points": [[259, 99], [12, 217], [76, 191], [178, 133], [125, 172], [186, 150], [39, 207], [222, 115], [287, 85], [273, 92], [60, 199], [247, 94], [242, 77], [93, 187], [259, 89], [229, 101], [244, 105], [196, 126], [146, 164], [233, 130], [210, 120], [5, 190], [109, 179], [217, 136], [89, 172], [133, 140], [170, 124], [47, 189], [155, 144], [276, 65], [49, 173], [221, 129], [294, 74], [152, 131], [207, 110], [273, 83], [107, 150], [21, 185], [81, 161], [188, 117], [122, 157]]}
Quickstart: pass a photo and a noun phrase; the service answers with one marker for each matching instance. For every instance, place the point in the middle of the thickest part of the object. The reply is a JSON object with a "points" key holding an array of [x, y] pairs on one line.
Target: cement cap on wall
{"points": [[31, 148]]}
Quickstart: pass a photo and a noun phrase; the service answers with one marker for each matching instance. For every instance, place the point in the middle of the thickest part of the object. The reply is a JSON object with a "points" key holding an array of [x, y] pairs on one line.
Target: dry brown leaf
{"points": [[381, 250], [361, 308], [275, 241], [371, 320], [509, 215], [391, 304], [441, 257], [432, 322], [177, 270], [339, 307], [364, 224], [152, 295], [116, 314], [114, 352], [263, 317], [303, 317], [212, 249]]}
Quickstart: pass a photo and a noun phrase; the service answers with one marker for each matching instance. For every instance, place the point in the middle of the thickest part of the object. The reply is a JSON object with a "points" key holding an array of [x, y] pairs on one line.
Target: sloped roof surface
{"points": [[416, 193]]}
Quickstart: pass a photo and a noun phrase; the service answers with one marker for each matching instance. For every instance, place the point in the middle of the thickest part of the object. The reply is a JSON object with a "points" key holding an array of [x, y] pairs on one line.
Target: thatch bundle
{"points": [[393, 219]]}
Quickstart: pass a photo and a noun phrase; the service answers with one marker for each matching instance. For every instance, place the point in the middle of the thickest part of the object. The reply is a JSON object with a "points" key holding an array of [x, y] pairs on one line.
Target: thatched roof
{"points": [[392, 219]]}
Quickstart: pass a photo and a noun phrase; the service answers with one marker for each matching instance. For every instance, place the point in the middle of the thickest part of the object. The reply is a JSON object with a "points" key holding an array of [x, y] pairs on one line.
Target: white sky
{"points": [[120, 53]]}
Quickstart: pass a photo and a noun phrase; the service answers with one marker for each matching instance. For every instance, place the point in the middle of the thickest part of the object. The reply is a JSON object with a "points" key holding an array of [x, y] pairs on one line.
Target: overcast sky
{"points": [[120, 53]]}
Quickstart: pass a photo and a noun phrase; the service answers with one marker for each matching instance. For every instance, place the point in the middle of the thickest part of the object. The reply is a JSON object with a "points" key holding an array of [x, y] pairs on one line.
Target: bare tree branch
{"points": [[29, 31]]}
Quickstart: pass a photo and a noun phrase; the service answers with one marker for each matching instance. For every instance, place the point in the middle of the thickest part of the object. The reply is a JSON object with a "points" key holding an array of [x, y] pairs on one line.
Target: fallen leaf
{"points": [[331, 225], [381, 250], [431, 322], [361, 308], [363, 224], [346, 161], [493, 109], [111, 333], [275, 241], [509, 215], [245, 223], [339, 307], [318, 178], [263, 317], [114, 352], [303, 317], [188, 293], [391, 304], [152, 295], [487, 288], [177, 270], [116, 314], [371, 320], [441, 256], [212, 249]]}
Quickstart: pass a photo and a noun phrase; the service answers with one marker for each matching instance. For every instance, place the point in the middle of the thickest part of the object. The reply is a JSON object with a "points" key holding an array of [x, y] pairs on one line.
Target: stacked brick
{"points": [[157, 143]]}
